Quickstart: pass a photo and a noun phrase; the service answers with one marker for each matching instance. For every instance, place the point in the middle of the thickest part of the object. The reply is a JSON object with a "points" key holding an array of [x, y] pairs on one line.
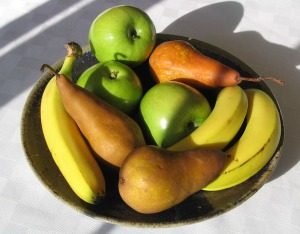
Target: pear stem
{"points": [[260, 78], [50, 68]]}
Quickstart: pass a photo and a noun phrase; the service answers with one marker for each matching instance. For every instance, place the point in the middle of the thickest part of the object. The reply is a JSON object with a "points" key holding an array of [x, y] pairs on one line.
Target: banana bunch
{"points": [[256, 145], [221, 125], [65, 142]]}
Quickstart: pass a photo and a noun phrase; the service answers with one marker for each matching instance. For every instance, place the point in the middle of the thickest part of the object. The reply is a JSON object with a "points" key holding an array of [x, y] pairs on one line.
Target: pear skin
{"points": [[153, 179], [179, 60], [111, 133]]}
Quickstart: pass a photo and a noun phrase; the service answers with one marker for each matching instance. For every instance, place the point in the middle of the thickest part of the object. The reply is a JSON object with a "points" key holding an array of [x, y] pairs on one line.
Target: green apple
{"points": [[122, 33], [171, 110], [114, 82]]}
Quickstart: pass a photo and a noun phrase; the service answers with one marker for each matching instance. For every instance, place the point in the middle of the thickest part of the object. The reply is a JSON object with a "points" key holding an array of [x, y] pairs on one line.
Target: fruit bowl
{"points": [[198, 207]]}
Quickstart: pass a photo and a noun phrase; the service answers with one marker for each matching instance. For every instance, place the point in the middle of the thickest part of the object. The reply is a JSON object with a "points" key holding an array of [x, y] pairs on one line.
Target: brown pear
{"points": [[180, 60], [153, 179], [111, 133]]}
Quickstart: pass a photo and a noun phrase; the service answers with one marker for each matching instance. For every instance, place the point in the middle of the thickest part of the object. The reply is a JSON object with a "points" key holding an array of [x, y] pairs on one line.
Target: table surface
{"points": [[263, 34]]}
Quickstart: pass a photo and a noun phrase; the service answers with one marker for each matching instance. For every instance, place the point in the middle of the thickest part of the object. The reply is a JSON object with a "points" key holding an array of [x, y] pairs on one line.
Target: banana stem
{"points": [[73, 49]]}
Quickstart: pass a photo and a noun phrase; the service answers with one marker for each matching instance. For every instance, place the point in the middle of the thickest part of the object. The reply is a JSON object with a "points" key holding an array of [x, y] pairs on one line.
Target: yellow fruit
{"points": [[65, 142], [256, 145]]}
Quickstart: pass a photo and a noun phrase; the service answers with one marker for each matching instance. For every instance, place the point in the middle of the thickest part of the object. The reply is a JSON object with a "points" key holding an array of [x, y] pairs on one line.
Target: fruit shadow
{"points": [[23, 50], [216, 24]]}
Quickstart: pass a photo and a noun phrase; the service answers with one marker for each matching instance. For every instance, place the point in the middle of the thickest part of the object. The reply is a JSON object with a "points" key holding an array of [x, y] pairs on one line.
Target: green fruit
{"points": [[114, 82], [122, 33], [172, 110]]}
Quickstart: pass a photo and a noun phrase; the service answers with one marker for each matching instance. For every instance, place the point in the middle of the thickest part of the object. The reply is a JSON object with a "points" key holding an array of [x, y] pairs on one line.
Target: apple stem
{"points": [[114, 75], [192, 125], [260, 78], [133, 34]]}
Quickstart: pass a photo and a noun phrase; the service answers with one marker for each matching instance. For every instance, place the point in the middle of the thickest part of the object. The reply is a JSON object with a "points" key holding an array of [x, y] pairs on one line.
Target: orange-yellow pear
{"points": [[153, 179], [111, 133], [180, 60]]}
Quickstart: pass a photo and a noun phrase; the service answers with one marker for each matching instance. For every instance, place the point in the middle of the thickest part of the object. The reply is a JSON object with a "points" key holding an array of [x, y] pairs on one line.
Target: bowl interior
{"points": [[197, 207]]}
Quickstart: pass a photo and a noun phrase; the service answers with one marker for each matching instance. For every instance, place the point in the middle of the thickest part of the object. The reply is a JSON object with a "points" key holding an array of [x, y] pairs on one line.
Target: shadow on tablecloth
{"points": [[216, 24]]}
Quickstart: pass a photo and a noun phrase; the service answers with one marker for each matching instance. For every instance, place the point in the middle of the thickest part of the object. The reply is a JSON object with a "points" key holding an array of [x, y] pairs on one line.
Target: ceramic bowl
{"points": [[198, 207]]}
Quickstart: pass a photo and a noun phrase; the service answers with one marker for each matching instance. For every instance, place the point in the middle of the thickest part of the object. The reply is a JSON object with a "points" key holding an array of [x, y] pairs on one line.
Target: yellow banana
{"points": [[256, 145], [65, 142], [221, 125]]}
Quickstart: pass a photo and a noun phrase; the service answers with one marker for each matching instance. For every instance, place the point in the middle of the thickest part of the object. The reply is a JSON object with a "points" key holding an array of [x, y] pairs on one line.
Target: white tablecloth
{"points": [[264, 34]]}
